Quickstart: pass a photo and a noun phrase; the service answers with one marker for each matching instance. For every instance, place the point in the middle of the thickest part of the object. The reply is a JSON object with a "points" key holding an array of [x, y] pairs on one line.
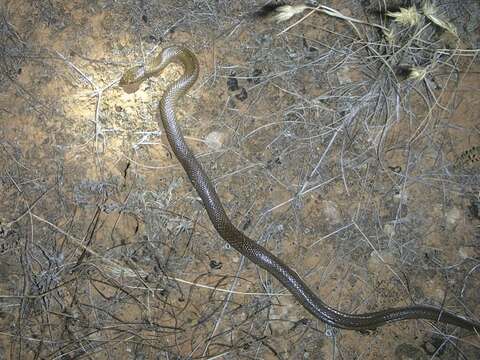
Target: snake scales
{"points": [[246, 246]]}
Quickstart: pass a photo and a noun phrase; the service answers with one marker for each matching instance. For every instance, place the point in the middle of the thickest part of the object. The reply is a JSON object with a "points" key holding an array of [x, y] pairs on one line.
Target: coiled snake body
{"points": [[246, 246]]}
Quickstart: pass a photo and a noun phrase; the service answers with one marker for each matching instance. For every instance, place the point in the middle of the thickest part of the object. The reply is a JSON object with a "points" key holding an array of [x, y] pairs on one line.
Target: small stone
{"points": [[331, 212], [215, 140], [389, 230], [452, 216]]}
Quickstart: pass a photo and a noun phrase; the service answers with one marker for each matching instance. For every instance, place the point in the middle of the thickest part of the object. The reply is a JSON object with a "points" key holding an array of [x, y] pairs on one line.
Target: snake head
{"points": [[132, 78]]}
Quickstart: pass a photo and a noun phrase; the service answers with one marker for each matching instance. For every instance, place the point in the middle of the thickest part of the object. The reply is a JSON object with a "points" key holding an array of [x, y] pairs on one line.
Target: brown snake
{"points": [[243, 244]]}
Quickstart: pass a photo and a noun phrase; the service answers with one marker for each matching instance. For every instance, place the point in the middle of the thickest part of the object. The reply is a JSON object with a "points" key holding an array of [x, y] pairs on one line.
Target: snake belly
{"points": [[238, 240]]}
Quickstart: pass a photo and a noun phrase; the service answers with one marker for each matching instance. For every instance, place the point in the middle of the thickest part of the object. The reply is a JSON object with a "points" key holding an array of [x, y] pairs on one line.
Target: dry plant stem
{"points": [[30, 207], [118, 270], [334, 13], [98, 92], [225, 305]]}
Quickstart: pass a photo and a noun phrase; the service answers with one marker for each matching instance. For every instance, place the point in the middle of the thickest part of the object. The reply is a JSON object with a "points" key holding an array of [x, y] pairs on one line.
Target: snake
{"points": [[247, 247]]}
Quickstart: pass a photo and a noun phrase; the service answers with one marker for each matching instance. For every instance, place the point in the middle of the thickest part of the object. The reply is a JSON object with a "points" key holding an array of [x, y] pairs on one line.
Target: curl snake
{"points": [[237, 239]]}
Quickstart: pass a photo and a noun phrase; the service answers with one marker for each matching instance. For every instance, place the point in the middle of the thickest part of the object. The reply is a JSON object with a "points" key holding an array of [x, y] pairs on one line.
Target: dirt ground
{"points": [[363, 179]]}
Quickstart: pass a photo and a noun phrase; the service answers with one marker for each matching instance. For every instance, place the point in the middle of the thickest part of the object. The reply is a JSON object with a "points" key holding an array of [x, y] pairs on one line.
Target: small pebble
{"points": [[453, 215], [215, 140]]}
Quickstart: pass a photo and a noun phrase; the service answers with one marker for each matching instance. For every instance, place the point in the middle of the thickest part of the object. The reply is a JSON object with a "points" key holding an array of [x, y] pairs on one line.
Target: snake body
{"points": [[239, 241]]}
